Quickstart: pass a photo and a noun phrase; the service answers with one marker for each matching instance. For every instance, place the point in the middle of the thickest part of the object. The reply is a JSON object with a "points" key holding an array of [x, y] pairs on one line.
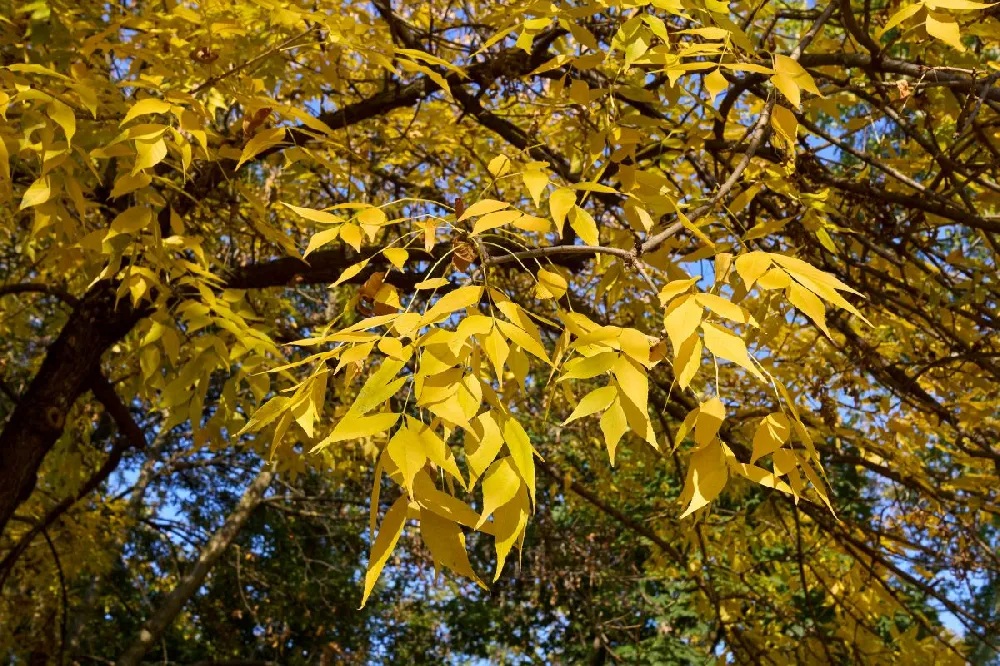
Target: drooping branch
{"points": [[164, 615]]}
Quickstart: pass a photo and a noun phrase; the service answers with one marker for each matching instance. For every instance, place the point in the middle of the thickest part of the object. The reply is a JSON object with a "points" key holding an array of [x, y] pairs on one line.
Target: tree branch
{"points": [[163, 616]]}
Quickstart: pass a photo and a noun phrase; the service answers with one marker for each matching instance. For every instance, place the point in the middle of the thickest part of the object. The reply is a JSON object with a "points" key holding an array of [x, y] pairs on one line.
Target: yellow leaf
{"points": [[688, 360], [358, 352], [633, 382], [394, 349], [800, 269], [500, 483], [261, 142], [641, 215], [561, 202], [957, 5], [715, 83], [32, 68], [354, 426], [711, 414], [494, 220], [809, 304], [707, 476], [132, 220], [474, 325], [579, 91], [385, 542], [4, 160], [723, 307], [731, 347], [785, 65], [675, 288], [309, 409], [682, 320], [488, 440], [62, 114], [583, 367], [374, 217], [446, 542], [374, 499], [635, 344], [945, 28], [774, 279], [320, 216], [145, 107], [499, 166], [509, 522], [593, 402], [613, 426], [751, 266], [350, 272], [528, 341], [482, 207], [711, 33], [520, 450], [550, 284], [431, 283], [443, 504], [319, 240], [436, 450], [788, 87], [584, 226], [130, 183], [406, 324], [497, 350], [351, 234], [772, 432], [899, 17], [461, 298], [149, 154], [536, 182], [380, 386], [38, 193], [784, 462], [538, 225], [396, 256], [784, 121], [405, 449], [270, 411]]}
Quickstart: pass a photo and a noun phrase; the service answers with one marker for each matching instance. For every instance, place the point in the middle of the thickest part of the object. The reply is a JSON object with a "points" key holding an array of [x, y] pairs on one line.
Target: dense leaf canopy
{"points": [[653, 331]]}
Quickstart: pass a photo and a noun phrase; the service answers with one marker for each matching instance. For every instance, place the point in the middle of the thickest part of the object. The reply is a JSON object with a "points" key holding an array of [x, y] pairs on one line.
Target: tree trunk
{"points": [[69, 366], [163, 616]]}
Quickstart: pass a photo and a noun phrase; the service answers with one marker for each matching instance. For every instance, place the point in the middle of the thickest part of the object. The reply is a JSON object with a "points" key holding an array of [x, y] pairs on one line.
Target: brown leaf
{"points": [[372, 285], [904, 88], [205, 55], [369, 302], [254, 120], [464, 253]]}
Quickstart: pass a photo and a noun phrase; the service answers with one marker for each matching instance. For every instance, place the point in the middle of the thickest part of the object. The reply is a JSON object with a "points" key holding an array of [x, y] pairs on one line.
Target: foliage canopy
{"points": [[714, 281]]}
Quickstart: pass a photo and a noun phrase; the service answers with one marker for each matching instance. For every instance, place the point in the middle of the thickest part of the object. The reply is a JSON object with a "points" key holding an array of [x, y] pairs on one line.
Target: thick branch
{"points": [[37, 288]]}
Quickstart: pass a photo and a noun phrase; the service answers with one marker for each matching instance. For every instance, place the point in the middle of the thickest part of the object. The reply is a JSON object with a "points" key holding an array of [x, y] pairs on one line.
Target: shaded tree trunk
{"points": [[70, 364]]}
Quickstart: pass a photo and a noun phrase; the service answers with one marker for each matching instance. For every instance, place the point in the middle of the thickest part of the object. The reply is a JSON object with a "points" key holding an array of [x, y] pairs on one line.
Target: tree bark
{"points": [[71, 363], [163, 616]]}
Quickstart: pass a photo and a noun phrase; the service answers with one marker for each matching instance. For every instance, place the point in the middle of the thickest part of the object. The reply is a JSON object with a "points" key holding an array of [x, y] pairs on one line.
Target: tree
{"points": [[746, 251]]}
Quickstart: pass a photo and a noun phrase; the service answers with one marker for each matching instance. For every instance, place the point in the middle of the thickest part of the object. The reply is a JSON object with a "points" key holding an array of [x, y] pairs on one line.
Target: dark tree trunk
{"points": [[66, 373]]}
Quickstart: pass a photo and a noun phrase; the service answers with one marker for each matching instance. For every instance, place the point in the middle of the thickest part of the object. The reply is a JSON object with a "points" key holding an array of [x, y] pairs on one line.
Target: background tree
{"points": [[679, 317]]}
